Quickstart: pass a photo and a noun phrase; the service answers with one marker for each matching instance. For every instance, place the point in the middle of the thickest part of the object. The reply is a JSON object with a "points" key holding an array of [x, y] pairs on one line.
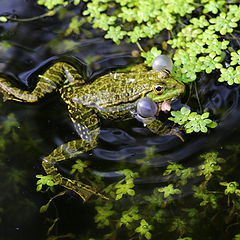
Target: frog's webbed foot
{"points": [[159, 128], [176, 132], [5, 95], [64, 152], [156, 127]]}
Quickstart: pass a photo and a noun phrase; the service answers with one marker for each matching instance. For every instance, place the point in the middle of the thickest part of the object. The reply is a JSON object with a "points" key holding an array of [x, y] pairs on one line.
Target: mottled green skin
{"points": [[111, 96]]}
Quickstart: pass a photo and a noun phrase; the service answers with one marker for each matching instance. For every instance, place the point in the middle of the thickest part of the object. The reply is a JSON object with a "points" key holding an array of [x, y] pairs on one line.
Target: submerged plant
{"points": [[207, 43], [157, 211], [45, 180]]}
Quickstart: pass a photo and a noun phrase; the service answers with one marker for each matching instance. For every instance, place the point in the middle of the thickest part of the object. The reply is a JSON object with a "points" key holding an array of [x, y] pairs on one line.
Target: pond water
{"points": [[31, 131]]}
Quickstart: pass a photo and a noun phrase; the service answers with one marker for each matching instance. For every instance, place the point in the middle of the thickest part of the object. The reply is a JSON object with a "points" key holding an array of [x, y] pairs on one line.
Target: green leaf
{"points": [[79, 166], [235, 58], [169, 190], [9, 124], [151, 55], [126, 185], [116, 34], [231, 187], [237, 237], [144, 229], [230, 75], [212, 124], [128, 217], [45, 180], [131, 192], [74, 26], [50, 4], [103, 214], [104, 21], [213, 6], [192, 121], [205, 115], [3, 19]]}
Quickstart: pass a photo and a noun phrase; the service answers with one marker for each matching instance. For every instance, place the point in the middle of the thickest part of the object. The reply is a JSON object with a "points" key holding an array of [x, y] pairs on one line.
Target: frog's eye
{"points": [[159, 89]]}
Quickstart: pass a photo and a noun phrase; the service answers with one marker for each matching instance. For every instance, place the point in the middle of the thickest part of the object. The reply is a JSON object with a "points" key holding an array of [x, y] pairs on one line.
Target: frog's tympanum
{"points": [[112, 96]]}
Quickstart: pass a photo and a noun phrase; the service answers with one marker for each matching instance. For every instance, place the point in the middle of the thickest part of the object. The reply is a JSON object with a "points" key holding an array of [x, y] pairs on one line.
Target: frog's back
{"points": [[113, 89]]}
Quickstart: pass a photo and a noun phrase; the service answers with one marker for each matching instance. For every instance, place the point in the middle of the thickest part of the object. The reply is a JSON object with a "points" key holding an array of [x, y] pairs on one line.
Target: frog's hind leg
{"points": [[86, 124], [11, 91], [64, 152], [52, 79]]}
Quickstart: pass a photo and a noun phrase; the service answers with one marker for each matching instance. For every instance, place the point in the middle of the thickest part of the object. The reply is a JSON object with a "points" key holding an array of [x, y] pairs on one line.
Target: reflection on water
{"points": [[39, 128]]}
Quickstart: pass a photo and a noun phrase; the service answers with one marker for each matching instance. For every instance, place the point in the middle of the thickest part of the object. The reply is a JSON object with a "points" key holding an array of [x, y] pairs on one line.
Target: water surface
{"points": [[41, 127]]}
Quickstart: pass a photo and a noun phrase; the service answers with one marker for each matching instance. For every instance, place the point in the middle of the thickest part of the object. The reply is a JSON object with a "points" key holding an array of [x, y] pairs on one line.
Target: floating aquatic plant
{"points": [[201, 43], [204, 44], [192, 121]]}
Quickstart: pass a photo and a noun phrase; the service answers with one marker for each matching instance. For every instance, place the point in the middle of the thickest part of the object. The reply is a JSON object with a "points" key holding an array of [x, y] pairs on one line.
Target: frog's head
{"points": [[162, 89], [165, 88]]}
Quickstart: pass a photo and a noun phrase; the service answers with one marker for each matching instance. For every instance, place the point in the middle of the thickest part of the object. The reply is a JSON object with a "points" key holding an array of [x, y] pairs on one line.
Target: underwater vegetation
{"points": [[196, 198]]}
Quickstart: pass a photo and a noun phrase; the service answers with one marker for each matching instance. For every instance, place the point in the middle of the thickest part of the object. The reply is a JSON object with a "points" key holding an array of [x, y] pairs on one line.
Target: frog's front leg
{"points": [[156, 127], [159, 128], [49, 81]]}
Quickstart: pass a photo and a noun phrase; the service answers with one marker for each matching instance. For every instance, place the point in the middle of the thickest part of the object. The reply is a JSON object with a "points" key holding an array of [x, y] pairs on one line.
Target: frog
{"points": [[110, 96]]}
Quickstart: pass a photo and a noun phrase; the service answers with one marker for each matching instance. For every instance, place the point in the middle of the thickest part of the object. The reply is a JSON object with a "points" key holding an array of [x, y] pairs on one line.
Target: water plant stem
{"points": [[47, 14], [198, 100], [139, 46]]}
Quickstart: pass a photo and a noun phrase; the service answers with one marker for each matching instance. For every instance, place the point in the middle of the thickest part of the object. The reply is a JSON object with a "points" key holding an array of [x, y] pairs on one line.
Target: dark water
{"points": [[46, 125]]}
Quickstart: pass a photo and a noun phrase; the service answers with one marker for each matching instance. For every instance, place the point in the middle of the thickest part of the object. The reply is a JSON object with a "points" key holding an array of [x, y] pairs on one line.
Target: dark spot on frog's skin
{"points": [[166, 70], [164, 74]]}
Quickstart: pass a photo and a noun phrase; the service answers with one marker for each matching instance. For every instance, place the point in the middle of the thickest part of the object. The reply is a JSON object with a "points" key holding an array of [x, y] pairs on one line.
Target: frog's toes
{"points": [[49, 166], [5, 95], [176, 132]]}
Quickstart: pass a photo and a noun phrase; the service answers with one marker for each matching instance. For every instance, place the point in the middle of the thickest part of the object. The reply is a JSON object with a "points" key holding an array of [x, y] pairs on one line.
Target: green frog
{"points": [[112, 96]]}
